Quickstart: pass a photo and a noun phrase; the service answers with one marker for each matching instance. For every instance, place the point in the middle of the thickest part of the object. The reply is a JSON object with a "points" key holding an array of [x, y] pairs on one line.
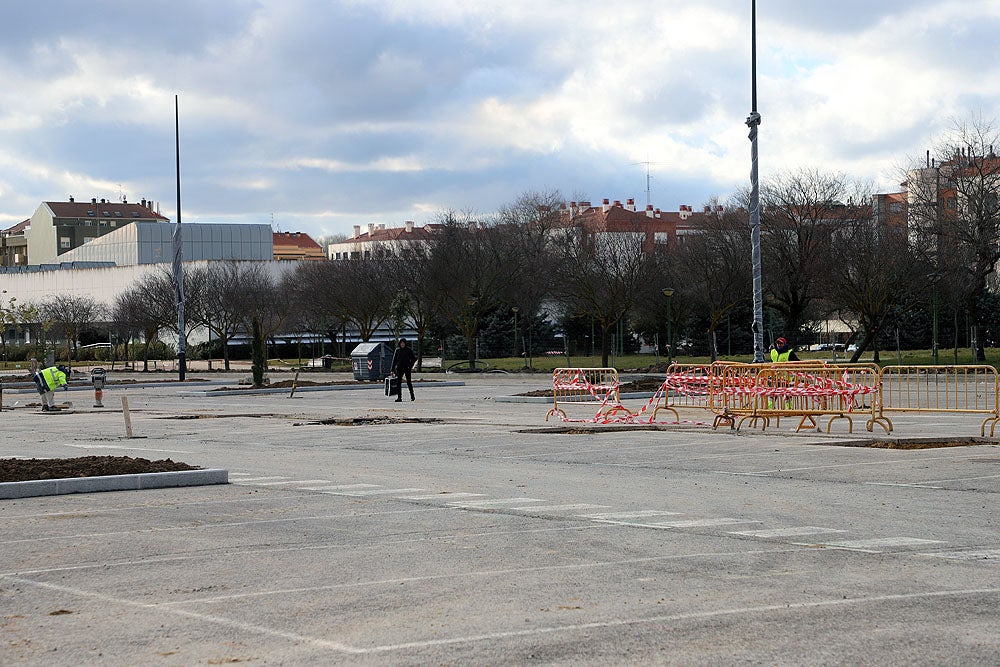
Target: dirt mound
{"points": [[22, 470]]}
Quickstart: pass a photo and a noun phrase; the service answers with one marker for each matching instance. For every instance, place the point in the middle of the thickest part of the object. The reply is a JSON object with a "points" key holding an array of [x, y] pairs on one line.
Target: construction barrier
{"points": [[805, 390], [756, 394], [962, 389], [586, 386]]}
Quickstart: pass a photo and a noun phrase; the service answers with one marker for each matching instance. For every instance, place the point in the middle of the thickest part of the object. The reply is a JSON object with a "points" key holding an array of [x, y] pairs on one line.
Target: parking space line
{"points": [[558, 508], [444, 496], [472, 504], [786, 532], [880, 543], [339, 487], [373, 492], [702, 523], [982, 554], [629, 515], [857, 464], [293, 481], [959, 479]]}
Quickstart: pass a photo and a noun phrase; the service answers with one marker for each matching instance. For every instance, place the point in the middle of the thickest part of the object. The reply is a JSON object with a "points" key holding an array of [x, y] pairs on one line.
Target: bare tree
{"points": [[713, 268], [218, 306], [263, 303], [15, 315], [530, 222], [70, 314], [601, 274], [954, 206], [800, 210], [468, 272], [873, 277]]}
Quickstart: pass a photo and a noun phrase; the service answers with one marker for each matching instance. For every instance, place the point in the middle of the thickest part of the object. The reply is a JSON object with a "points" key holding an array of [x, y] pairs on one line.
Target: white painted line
{"points": [[141, 449], [294, 481], [909, 486], [493, 637], [990, 554], [444, 496], [375, 492], [959, 479], [701, 523], [557, 508], [629, 515], [501, 501], [786, 532], [339, 487], [881, 542], [259, 479], [858, 464]]}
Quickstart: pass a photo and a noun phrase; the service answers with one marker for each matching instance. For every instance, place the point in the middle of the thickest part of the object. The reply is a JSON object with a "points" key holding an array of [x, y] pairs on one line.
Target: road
{"points": [[477, 536]]}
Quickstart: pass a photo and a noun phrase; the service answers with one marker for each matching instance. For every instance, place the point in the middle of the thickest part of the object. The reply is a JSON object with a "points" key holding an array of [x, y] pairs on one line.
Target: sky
{"points": [[317, 115]]}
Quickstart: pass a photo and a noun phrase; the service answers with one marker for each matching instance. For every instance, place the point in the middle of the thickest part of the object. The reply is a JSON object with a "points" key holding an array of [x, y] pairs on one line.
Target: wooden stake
{"points": [[128, 419], [295, 383]]}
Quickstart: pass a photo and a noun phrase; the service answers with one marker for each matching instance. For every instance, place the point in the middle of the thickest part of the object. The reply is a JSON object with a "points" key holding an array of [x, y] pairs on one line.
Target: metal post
{"points": [[179, 254], [934, 325], [753, 121], [515, 309], [669, 292]]}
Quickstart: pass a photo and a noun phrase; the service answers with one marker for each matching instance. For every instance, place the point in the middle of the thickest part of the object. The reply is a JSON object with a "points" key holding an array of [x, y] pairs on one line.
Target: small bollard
{"points": [[97, 377]]}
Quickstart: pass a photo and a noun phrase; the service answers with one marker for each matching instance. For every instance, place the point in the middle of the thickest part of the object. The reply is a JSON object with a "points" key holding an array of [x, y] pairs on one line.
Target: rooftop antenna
{"points": [[648, 177]]}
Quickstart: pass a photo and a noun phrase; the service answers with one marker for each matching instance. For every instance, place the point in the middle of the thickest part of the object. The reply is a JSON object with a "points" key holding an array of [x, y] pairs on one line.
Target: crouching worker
{"points": [[47, 381]]}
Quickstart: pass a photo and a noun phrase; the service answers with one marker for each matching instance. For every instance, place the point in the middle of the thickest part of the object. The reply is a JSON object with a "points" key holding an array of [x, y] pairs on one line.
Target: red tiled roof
{"points": [[108, 209], [299, 240], [398, 234], [16, 229]]}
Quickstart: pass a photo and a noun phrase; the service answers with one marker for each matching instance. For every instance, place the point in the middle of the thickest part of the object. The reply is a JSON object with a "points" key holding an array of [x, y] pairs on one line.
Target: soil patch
{"points": [[643, 385], [368, 421], [924, 444], [23, 470]]}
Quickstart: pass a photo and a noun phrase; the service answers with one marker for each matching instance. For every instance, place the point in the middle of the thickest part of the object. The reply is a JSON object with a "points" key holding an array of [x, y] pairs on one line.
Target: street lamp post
{"points": [[669, 292], [934, 324], [753, 121], [515, 309]]}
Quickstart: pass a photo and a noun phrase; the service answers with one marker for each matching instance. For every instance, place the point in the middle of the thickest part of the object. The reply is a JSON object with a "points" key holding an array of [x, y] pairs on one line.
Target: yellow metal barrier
{"points": [[805, 389], [964, 389], [685, 386], [586, 386]]}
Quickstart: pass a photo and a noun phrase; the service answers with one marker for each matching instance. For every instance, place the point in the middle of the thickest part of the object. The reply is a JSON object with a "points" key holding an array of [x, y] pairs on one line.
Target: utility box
{"points": [[371, 361]]}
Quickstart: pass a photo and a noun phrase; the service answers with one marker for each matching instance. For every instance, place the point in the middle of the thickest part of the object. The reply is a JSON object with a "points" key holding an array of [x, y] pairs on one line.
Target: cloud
{"points": [[333, 113]]}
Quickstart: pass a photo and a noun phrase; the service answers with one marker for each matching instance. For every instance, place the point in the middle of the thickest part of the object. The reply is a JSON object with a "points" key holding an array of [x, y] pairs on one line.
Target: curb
{"points": [[335, 387], [149, 480]]}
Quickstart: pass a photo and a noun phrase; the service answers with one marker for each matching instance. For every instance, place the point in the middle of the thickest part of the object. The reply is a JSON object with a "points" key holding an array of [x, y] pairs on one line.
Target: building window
{"points": [[64, 242]]}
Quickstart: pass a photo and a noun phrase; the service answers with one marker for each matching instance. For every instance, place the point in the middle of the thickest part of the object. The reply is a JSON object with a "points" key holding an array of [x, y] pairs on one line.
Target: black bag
{"points": [[393, 386]]}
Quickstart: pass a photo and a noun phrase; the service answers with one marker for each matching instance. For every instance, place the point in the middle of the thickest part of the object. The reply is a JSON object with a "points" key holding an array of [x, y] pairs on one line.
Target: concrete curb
{"points": [[335, 387], [150, 480], [548, 399]]}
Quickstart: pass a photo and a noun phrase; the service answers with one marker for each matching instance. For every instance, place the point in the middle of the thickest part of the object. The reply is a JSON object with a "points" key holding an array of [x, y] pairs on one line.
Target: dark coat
{"points": [[403, 360]]}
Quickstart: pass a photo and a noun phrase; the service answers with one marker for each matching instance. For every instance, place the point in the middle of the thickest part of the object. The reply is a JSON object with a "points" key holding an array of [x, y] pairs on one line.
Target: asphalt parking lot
{"points": [[472, 535]]}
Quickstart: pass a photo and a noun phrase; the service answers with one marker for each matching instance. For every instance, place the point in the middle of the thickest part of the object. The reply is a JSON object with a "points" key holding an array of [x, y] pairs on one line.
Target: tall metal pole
{"points": [[753, 121], [179, 254]]}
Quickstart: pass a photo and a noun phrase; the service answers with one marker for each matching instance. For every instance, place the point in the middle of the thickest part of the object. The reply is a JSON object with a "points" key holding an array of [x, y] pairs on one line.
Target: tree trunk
{"points": [[605, 345], [257, 354]]}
